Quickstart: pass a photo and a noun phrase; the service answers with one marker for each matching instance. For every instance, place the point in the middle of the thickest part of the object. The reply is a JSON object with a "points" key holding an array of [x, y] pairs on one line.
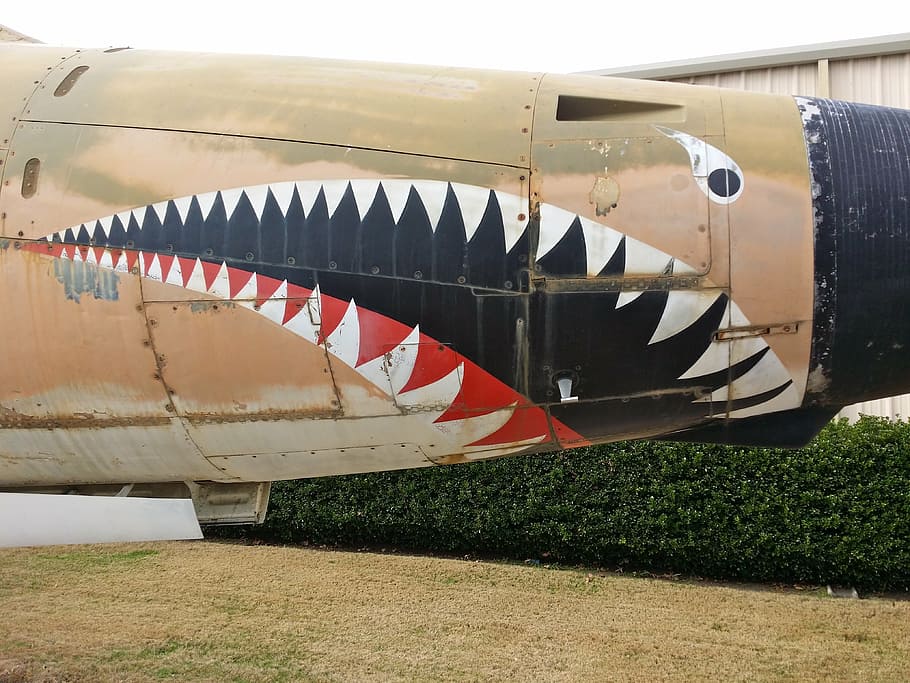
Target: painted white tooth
{"points": [[154, 271], [741, 349], [273, 307], [122, 265], [769, 373], [683, 268], [257, 196], [401, 359], [721, 355], [716, 358], [374, 371], [247, 293], [77, 257], [625, 298], [309, 192], [737, 317], [344, 342], [206, 202], [230, 199], [175, 274], [788, 399], [140, 262], [485, 452], [364, 194], [305, 323], [196, 281], [512, 206], [106, 225], [683, 309], [433, 195], [601, 243], [642, 259], [472, 201], [160, 209], [221, 285], [183, 207], [124, 217], [90, 257], [107, 260], [283, 193], [396, 193], [471, 429], [65, 253], [437, 396], [334, 191], [554, 224]]}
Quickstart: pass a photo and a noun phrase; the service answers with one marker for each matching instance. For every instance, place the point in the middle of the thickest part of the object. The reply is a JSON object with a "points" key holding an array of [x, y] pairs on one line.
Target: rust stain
{"points": [[197, 419], [10, 418]]}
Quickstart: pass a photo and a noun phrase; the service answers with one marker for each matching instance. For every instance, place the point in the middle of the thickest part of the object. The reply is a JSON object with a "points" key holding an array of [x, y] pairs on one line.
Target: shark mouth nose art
{"points": [[328, 260]]}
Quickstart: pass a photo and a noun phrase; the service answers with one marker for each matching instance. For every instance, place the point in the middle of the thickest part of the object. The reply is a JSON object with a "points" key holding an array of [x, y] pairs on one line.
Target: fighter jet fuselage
{"points": [[232, 268]]}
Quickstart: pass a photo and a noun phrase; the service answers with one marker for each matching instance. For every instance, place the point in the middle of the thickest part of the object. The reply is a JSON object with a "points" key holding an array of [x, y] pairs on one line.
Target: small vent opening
{"points": [[67, 83], [572, 108]]}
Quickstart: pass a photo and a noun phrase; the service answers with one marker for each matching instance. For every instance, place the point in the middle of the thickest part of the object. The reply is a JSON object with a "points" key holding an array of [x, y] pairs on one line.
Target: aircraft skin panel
{"points": [[369, 267]]}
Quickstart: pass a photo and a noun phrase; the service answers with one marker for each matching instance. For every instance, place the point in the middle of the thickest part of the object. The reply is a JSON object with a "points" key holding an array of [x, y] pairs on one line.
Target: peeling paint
{"points": [[80, 278], [604, 195]]}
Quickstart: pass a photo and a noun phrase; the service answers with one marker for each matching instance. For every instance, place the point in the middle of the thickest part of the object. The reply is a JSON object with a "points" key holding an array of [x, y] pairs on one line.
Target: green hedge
{"points": [[836, 511]]}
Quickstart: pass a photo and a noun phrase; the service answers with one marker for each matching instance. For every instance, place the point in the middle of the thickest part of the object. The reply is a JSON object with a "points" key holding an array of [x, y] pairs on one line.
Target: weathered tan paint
{"points": [[88, 172], [88, 361], [121, 139], [306, 100], [771, 225]]}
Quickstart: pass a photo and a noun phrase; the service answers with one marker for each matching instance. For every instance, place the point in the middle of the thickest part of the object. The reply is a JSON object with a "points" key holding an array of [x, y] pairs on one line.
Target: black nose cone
{"points": [[859, 159]]}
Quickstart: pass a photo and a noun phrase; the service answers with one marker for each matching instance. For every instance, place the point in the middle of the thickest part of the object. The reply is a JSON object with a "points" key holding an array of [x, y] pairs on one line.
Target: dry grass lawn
{"points": [[205, 611]]}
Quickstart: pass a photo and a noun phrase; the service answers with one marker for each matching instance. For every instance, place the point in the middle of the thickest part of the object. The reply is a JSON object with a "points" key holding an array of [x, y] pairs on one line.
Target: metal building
{"points": [[869, 70]]}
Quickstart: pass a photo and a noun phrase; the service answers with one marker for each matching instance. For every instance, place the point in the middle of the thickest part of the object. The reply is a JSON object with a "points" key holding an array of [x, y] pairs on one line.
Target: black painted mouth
{"points": [[467, 283]]}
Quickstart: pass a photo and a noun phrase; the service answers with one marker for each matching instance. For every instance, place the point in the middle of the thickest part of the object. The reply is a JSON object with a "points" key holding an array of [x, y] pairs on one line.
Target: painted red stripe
{"points": [[331, 311], [481, 393], [526, 423], [167, 262], [265, 288], [237, 280], [131, 258], [378, 335], [210, 272], [187, 265], [434, 361]]}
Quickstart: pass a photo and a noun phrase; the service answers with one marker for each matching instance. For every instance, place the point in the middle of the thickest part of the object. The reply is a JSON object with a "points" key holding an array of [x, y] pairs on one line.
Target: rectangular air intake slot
{"points": [[573, 108]]}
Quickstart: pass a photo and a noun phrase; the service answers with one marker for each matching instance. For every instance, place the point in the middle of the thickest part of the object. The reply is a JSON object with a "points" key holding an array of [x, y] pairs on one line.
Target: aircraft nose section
{"points": [[859, 162]]}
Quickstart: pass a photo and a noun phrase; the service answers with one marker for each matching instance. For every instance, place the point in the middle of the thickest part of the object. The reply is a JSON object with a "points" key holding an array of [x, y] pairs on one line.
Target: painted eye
{"points": [[718, 176]]}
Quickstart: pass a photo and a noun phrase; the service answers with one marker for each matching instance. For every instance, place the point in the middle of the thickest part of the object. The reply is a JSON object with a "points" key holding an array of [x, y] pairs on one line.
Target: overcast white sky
{"points": [[556, 35]]}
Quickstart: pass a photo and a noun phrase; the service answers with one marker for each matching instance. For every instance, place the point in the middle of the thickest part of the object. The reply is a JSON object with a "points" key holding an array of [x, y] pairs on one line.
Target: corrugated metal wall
{"points": [[883, 80]]}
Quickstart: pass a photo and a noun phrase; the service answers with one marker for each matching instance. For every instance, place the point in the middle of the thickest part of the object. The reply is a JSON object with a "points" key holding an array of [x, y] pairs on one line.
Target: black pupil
{"points": [[724, 182]]}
